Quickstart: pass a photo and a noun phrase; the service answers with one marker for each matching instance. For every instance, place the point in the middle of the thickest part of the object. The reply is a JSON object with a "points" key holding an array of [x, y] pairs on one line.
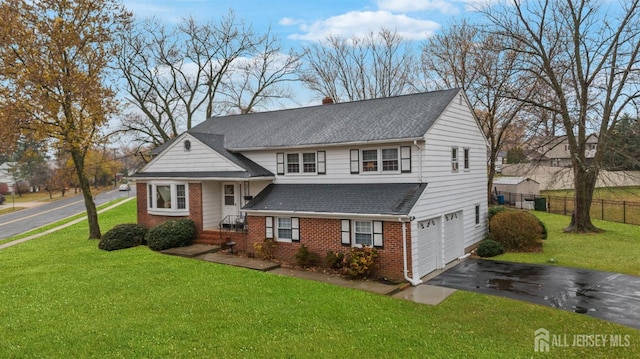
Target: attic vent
{"points": [[187, 145]]}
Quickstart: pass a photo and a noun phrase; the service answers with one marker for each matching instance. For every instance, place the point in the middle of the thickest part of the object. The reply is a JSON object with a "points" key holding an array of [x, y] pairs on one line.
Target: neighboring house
{"points": [[406, 175], [555, 152], [6, 174]]}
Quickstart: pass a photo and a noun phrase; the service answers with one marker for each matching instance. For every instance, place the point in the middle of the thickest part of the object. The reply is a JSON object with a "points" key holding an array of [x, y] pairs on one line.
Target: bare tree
{"points": [[380, 64], [176, 75], [587, 57], [464, 56]]}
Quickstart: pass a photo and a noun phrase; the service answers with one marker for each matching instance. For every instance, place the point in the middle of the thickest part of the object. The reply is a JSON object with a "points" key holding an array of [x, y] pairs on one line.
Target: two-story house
{"points": [[406, 175], [554, 152]]}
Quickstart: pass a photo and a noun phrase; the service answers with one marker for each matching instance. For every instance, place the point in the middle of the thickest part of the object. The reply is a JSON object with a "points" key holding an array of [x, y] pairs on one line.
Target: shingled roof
{"points": [[391, 118], [363, 199]]}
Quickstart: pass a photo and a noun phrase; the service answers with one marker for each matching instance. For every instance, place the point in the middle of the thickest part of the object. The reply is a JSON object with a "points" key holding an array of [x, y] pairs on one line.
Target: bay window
{"points": [[168, 198]]}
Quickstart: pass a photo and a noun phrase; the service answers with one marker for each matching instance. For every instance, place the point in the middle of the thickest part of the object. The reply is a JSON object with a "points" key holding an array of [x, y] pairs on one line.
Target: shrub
{"points": [[265, 249], [543, 233], [515, 230], [171, 234], [493, 210], [489, 248], [304, 258], [334, 260], [123, 236], [360, 262]]}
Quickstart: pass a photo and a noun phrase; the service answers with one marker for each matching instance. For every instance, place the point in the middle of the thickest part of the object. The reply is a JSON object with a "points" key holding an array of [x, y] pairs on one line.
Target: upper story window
{"points": [[454, 159], [466, 158], [381, 160], [301, 163], [168, 198]]}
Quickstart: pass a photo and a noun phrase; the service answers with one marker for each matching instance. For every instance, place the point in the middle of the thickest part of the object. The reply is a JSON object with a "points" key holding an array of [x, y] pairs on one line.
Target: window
{"points": [[454, 159], [381, 160], [284, 228], [229, 195], [309, 162], [363, 233], [477, 214], [287, 229], [466, 159], [369, 160], [293, 163], [168, 198], [305, 162], [389, 159]]}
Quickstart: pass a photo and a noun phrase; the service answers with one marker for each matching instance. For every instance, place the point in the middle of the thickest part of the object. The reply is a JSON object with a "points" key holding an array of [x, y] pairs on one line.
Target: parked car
{"points": [[124, 187], [2, 199]]}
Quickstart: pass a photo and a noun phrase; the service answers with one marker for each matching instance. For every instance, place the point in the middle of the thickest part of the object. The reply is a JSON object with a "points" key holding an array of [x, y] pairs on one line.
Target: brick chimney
{"points": [[327, 101]]}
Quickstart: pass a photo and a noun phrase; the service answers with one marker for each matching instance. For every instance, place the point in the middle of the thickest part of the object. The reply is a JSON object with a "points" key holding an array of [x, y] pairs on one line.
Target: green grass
{"points": [[631, 193], [615, 250], [62, 297]]}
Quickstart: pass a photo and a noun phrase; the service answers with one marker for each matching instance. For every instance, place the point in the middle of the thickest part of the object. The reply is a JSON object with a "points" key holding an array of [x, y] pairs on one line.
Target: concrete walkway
{"points": [[424, 294]]}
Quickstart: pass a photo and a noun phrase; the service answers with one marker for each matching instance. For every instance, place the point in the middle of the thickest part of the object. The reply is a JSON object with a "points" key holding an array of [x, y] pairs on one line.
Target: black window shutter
{"points": [[378, 240], [355, 161], [345, 232], [405, 159], [295, 229], [280, 163]]}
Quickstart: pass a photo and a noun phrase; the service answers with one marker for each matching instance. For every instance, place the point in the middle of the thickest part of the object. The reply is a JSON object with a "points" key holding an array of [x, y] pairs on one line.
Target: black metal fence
{"points": [[604, 209]]}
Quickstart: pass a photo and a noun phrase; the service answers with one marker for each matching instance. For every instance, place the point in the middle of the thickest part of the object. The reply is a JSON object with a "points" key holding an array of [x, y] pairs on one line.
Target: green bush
{"points": [[170, 234], [360, 262], [304, 258], [489, 248], [334, 260], [515, 230], [123, 236], [543, 233], [493, 210]]}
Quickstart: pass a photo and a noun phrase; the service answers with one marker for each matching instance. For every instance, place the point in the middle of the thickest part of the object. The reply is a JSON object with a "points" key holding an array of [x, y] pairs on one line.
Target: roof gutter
{"points": [[227, 179], [413, 281], [308, 214]]}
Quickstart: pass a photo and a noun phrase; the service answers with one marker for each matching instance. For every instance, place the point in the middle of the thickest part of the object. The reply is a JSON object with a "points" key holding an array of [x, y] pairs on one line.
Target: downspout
{"points": [[415, 143], [404, 255]]}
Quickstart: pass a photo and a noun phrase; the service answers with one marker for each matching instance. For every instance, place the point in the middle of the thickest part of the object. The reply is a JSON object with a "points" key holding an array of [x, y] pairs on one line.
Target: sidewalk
{"points": [[424, 294]]}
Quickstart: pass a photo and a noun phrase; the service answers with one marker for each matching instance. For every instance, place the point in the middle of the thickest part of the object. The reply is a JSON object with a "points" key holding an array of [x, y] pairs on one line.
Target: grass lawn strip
{"points": [[63, 297]]}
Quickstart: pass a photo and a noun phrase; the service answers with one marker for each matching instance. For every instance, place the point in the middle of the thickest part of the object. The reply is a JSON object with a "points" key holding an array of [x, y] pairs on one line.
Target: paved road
{"points": [[49, 212]]}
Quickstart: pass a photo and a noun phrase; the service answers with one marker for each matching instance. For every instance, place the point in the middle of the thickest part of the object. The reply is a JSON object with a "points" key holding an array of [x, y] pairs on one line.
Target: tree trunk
{"points": [[85, 187], [584, 185]]}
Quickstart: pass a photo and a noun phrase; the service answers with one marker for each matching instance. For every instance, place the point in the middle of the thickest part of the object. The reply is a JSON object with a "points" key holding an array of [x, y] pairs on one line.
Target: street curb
{"points": [[77, 220]]}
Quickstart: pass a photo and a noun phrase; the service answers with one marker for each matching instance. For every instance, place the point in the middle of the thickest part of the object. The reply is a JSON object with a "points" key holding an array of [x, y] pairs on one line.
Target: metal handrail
{"points": [[234, 223]]}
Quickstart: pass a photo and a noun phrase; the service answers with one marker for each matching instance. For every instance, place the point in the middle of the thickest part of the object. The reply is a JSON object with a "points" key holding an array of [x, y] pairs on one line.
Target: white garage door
{"points": [[453, 236], [428, 246]]}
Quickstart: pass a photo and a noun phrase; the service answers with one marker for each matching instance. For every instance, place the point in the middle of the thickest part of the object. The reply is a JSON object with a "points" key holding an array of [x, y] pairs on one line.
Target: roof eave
{"points": [[307, 214]]}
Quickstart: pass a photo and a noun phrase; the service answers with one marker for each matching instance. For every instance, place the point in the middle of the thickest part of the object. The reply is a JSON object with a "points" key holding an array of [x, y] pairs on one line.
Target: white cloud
{"points": [[443, 6], [361, 23]]}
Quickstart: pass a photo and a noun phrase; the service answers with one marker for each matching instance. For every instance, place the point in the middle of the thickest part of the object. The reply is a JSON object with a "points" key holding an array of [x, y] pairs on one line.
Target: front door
{"points": [[230, 202]]}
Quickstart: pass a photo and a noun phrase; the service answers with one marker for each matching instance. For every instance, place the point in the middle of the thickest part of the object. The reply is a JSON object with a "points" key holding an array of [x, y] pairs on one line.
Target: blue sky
{"points": [[303, 21]]}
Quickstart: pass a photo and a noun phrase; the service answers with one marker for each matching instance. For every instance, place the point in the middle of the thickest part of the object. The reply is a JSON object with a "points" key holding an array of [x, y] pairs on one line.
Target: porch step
{"points": [[191, 251]]}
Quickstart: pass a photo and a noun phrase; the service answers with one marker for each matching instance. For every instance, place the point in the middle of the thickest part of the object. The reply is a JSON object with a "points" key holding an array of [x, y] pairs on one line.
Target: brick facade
{"points": [[323, 234], [195, 207]]}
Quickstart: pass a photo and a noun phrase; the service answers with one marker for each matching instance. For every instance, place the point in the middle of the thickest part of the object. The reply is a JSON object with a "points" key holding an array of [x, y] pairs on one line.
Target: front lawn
{"points": [[62, 297]]}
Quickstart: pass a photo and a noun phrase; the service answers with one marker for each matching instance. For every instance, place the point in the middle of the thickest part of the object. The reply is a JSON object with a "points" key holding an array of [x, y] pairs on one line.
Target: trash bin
{"points": [[500, 199], [540, 204]]}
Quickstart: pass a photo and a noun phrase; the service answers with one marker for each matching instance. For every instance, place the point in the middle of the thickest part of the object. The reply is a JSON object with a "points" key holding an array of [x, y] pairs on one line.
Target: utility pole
{"points": [[115, 170]]}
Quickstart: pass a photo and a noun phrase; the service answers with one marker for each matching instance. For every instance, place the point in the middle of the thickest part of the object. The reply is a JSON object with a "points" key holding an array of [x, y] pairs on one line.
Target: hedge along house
{"points": [[403, 174]]}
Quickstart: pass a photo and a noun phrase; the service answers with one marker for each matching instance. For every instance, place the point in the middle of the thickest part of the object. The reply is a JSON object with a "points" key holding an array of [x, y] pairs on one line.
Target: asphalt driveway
{"points": [[610, 296]]}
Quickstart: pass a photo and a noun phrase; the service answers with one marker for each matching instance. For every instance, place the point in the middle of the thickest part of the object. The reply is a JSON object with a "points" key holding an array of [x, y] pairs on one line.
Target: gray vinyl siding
{"points": [[449, 191], [338, 165]]}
